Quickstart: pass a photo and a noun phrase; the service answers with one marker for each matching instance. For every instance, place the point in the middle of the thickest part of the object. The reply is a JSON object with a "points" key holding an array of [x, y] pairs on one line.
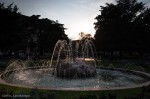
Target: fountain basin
{"points": [[106, 79]]}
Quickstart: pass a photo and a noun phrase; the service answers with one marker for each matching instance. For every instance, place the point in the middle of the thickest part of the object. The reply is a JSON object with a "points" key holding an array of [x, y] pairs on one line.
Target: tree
{"points": [[9, 30], [19, 32], [84, 36], [44, 33], [123, 26], [142, 29]]}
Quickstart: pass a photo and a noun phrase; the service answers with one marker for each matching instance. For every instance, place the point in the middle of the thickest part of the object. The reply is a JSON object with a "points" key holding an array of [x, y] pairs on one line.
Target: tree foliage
{"points": [[17, 31], [84, 36], [123, 26]]}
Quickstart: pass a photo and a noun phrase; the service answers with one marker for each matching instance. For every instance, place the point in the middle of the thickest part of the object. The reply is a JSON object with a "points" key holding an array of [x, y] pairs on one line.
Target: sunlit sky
{"points": [[76, 15]]}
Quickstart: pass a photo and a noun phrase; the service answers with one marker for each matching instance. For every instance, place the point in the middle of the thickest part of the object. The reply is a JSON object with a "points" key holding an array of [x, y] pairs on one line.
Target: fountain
{"points": [[69, 64], [72, 67]]}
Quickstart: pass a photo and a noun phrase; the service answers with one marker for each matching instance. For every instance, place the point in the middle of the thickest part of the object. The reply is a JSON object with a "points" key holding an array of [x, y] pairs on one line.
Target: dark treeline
{"points": [[20, 32], [124, 26]]}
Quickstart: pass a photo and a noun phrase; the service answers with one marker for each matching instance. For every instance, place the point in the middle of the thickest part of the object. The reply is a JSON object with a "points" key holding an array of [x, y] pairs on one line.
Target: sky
{"points": [[76, 15]]}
